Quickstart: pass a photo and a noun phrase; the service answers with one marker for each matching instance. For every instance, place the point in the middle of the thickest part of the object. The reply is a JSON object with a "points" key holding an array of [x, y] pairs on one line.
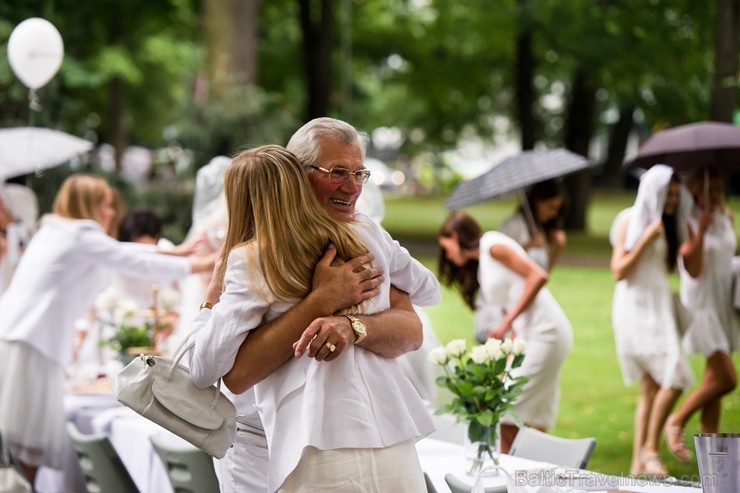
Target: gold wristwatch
{"points": [[358, 327]]}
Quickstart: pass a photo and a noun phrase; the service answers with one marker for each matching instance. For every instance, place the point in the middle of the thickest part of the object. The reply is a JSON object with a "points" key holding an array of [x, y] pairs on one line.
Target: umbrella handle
{"points": [[527, 211]]}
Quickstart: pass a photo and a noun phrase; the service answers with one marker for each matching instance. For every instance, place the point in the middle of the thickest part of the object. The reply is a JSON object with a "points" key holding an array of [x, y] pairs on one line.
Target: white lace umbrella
{"points": [[514, 174], [29, 149]]}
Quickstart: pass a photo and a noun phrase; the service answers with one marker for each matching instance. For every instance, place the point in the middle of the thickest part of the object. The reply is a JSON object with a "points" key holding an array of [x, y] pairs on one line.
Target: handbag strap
{"points": [[185, 346]]}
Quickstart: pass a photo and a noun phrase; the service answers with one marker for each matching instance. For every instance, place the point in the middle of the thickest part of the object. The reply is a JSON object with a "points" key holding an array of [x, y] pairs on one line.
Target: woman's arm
{"points": [[534, 278], [692, 250], [623, 261]]}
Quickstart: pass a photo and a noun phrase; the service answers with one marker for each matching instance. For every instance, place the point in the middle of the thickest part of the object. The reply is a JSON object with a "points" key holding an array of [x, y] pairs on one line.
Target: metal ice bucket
{"points": [[718, 455]]}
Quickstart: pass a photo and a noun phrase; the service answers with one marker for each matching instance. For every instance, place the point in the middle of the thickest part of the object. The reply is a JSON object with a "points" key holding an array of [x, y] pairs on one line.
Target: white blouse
{"points": [[66, 264], [359, 400]]}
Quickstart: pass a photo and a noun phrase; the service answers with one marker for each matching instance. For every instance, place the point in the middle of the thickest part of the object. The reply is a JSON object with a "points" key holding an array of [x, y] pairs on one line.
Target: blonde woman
{"points": [[325, 418], [706, 280], [66, 264]]}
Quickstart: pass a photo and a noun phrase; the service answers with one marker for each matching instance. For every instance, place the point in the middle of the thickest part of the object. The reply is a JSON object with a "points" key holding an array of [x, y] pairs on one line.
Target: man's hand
{"points": [[323, 334], [344, 285]]}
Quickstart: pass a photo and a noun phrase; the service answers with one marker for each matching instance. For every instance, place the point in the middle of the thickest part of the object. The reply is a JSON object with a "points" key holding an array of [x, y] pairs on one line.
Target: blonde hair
{"points": [[80, 197], [270, 201]]}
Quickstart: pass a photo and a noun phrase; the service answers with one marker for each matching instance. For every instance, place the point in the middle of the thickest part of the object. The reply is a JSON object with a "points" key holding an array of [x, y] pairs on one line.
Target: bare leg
{"points": [[29, 472], [664, 401], [648, 389], [710, 416], [508, 433], [719, 379]]}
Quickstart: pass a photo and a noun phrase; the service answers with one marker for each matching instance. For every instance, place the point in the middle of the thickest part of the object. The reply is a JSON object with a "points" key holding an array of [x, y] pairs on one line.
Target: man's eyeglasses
{"points": [[340, 175]]}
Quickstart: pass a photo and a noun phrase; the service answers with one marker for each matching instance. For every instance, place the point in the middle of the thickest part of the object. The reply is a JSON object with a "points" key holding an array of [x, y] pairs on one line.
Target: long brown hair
{"points": [[466, 229], [270, 202]]}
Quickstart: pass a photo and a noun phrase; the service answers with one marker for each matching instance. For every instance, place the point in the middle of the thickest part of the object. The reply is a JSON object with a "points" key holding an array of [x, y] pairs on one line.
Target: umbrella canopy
{"points": [[515, 173], [28, 149], [683, 147]]}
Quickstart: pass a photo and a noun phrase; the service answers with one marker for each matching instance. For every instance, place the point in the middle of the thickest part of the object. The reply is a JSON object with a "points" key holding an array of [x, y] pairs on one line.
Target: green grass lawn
{"points": [[594, 400]]}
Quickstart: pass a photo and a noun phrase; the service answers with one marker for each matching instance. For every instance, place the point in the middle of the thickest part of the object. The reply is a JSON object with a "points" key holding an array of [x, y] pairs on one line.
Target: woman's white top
{"points": [[515, 227], [644, 319], [715, 324], [359, 400], [66, 264]]}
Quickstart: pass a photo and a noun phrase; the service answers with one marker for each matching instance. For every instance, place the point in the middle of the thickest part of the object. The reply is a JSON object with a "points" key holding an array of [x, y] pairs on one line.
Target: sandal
{"points": [[652, 465], [676, 444]]}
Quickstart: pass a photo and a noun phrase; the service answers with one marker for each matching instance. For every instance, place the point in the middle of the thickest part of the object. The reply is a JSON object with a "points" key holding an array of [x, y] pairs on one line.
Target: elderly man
{"points": [[333, 153]]}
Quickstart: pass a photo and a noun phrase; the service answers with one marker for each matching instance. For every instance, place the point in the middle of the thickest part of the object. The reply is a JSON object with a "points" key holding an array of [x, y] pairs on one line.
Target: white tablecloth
{"points": [[439, 458]]}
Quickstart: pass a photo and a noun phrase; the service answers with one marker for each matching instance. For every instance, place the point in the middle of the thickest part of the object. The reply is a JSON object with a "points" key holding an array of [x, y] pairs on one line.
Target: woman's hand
{"points": [[499, 331], [654, 229]]}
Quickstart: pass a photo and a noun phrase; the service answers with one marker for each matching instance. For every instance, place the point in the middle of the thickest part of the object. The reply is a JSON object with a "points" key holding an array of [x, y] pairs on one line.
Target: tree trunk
{"points": [[231, 38], [317, 26], [579, 130], [612, 176], [726, 46], [116, 121], [525, 66]]}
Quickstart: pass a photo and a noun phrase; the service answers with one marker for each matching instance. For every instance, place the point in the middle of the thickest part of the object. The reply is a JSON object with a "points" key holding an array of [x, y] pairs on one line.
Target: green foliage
{"points": [[130, 336]]}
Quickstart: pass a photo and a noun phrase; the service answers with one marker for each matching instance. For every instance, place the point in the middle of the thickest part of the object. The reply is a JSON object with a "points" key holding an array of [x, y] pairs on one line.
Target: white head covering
{"points": [[650, 202]]}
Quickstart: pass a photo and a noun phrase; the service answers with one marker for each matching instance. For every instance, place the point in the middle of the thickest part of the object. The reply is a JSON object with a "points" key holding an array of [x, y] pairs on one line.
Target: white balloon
{"points": [[35, 51]]}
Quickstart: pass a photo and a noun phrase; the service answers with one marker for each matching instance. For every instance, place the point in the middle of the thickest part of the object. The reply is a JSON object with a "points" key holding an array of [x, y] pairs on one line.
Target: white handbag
{"points": [[162, 391]]}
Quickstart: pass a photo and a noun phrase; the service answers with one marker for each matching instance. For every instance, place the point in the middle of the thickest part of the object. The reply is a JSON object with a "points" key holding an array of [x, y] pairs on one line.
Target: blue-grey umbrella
{"points": [[514, 174]]}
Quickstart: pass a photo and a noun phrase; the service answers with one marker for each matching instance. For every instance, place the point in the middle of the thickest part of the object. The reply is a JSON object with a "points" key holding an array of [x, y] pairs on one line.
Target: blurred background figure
{"points": [[496, 266], [538, 223], [209, 223], [706, 289], [69, 260], [414, 363], [18, 215], [537, 227], [646, 240]]}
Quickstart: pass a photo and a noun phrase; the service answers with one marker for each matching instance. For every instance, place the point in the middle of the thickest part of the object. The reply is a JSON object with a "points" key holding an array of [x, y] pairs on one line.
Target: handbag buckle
{"points": [[149, 360]]}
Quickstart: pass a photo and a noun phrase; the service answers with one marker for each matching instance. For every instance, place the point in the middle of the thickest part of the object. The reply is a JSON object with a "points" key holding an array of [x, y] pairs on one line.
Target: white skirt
{"points": [[369, 470], [31, 405]]}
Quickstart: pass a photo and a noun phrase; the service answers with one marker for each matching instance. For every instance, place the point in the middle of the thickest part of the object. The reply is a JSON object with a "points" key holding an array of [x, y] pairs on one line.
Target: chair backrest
{"points": [[189, 469], [430, 485], [459, 486], [537, 445], [101, 466]]}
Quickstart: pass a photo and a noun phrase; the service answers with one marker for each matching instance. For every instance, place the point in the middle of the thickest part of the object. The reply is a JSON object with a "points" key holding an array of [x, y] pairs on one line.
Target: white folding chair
{"points": [[533, 444], [448, 429], [102, 467], [458, 486], [189, 469]]}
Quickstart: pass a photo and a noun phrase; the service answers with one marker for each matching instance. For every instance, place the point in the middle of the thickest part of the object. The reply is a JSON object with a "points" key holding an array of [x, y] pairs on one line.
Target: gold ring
{"points": [[331, 347]]}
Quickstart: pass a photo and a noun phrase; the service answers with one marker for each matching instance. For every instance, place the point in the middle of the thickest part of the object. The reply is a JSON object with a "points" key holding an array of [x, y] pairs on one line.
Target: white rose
{"points": [[169, 298], [456, 347], [506, 346], [493, 347], [107, 300], [438, 356], [126, 308], [479, 354], [519, 346]]}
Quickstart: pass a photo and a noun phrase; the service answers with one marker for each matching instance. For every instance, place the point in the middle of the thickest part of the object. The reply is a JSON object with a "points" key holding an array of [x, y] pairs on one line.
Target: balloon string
{"points": [[33, 104]]}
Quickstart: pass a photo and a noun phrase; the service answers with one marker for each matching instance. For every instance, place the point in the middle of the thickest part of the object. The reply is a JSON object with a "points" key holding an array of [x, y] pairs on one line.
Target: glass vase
{"points": [[482, 455]]}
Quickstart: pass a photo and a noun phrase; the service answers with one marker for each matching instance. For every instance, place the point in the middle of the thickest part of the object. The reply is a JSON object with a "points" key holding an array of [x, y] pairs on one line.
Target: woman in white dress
{"points": [[66, 264], [500, 269], [646, 241], [536, 226], [327, 417], [706, 286]]}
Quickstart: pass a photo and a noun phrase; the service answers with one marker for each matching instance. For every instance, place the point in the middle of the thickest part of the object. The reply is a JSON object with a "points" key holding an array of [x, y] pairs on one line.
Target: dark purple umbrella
{"points": [[696, 144]]}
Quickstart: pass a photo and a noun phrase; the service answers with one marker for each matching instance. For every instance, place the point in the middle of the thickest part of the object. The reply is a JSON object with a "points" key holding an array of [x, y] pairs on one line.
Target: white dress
{"points": [[715, 325], [644, 321], [515, 227], [543, 325]]}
